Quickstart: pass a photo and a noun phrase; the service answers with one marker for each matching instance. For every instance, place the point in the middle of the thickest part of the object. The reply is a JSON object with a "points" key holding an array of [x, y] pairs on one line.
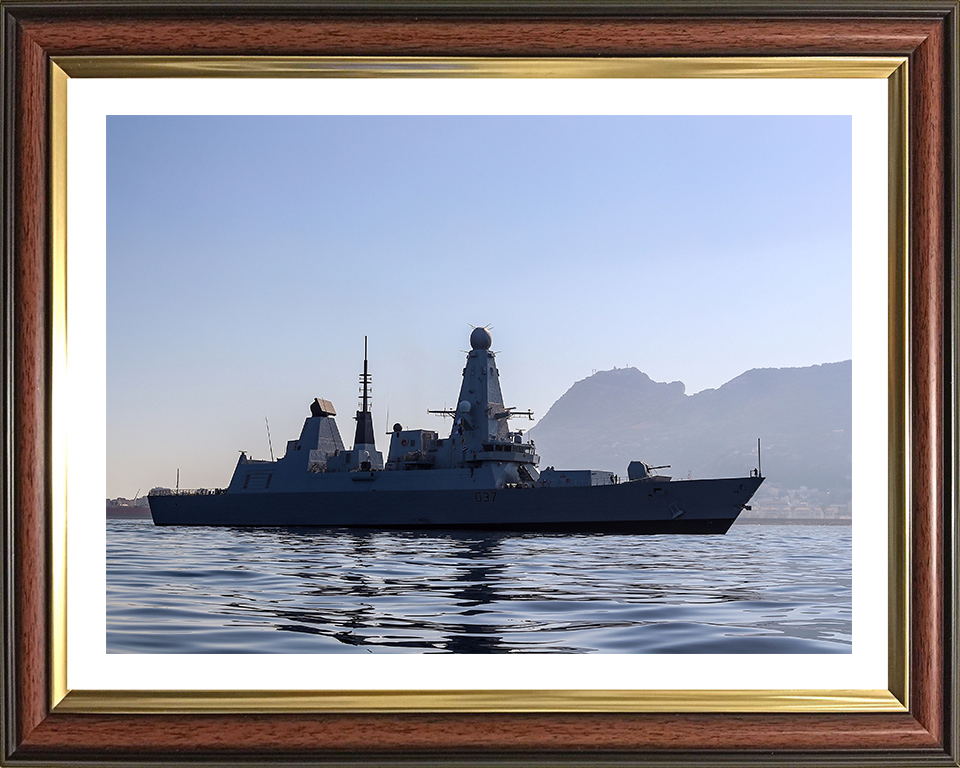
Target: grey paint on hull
{"points": [[693, 506]]}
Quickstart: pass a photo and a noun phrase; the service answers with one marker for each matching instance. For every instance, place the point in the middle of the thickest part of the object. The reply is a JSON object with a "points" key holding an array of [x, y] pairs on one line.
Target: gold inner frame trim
{"points": [[436, 67], [433, 701], [893, 69], [898, 482], [58, 372]]}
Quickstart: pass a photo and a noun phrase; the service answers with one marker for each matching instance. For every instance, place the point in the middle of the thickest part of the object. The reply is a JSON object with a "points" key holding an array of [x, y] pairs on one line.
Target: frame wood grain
{"points": [[925, 32]]}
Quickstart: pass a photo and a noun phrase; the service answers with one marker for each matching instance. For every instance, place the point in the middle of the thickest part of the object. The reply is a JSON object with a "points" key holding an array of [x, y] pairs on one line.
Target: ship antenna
{"points": [[759, 471], [365, 378], [364, 435], [269, 440]]}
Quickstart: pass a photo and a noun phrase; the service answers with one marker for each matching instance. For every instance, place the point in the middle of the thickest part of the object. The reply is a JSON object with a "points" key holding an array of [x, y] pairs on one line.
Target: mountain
{"points": [[802, 415]]}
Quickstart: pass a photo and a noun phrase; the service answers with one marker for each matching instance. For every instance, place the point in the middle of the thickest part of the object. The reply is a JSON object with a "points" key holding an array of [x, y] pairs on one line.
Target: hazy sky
{"points": [[247, 257]]}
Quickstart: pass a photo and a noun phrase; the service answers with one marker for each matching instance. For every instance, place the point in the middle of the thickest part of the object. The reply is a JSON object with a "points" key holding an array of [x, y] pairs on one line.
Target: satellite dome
{"points": [[480, 338]]}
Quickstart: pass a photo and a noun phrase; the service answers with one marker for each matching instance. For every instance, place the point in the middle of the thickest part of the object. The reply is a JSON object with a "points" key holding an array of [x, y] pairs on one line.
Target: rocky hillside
{"points": [[802, 415]]}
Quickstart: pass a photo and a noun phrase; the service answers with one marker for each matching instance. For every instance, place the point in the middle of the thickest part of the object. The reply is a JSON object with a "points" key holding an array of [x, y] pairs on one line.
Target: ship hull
{"points": [[692, 507]]}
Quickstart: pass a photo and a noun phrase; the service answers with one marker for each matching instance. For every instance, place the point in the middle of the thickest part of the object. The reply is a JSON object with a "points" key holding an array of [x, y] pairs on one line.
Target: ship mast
{"points": [[480, 418], [365, 380], [364, 435]]}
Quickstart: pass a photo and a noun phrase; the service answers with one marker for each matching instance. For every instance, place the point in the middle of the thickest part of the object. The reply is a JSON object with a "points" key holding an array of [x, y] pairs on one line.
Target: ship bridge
{"points": [[480, 431]]}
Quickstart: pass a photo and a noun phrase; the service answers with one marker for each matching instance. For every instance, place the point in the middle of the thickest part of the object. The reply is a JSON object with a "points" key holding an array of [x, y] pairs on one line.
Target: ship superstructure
{"points": [[482, 475]]}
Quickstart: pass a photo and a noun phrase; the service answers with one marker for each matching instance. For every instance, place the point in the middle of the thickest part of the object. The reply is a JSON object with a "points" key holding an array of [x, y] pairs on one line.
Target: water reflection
{"points": [[305, 590], [454, 570]]}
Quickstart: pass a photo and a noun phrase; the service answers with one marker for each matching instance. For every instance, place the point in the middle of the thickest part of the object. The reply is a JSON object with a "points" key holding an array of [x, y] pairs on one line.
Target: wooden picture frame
{"points": [[39, 730]]}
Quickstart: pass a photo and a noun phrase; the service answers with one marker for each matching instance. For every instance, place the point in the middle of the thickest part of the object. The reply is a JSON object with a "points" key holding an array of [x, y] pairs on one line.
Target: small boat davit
{"points": [[482, 476]]}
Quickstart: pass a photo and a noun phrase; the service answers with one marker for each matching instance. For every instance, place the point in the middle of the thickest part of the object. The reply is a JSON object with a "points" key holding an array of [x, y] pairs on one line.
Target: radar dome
{"points": [[480, 338]]}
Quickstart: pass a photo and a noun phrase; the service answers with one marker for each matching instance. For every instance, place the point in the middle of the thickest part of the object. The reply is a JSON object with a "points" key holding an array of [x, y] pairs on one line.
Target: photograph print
{"points": [[479, 384]]}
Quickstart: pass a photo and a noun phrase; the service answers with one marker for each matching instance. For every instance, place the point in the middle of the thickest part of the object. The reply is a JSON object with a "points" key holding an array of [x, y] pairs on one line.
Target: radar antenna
{"points": [[511, 413], [365, 382], [364, 435]]}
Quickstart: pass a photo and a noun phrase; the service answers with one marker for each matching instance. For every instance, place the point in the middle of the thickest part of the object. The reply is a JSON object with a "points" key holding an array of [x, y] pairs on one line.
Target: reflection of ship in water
{"points": [[423, 592], [360, 605], [471, 588], [304, 590], [483, 476]]}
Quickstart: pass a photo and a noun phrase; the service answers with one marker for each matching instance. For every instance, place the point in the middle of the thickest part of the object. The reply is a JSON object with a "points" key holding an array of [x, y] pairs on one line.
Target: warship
{"points": [[483, 475]]}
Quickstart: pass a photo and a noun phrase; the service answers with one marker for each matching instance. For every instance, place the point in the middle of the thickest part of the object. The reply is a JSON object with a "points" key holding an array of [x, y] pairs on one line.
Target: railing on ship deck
{"points": [[188, 492]]}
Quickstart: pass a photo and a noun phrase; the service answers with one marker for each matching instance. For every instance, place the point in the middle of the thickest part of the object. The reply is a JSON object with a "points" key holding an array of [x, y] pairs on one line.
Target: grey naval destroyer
{"points": [[482, 476]]}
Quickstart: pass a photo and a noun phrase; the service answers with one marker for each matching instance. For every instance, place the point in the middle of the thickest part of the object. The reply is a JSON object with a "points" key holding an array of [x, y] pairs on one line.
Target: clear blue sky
{"points": [[247, 257]]}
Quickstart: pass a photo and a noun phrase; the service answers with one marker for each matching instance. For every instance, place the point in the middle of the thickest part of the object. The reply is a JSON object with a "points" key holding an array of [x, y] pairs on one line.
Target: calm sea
{"points": [[758, 589]]}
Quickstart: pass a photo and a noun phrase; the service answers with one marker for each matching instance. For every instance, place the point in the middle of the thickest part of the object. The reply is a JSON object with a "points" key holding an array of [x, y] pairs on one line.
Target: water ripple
{"points": [[759, 589]]}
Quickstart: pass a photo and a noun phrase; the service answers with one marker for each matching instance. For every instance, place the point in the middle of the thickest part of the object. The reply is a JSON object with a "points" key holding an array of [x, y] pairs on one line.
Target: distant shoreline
{"points": [[794, 521], [128, 513]]}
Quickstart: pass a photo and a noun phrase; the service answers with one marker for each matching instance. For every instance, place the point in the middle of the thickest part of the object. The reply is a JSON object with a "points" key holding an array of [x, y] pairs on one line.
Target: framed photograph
{"points": [[62, 706]]}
